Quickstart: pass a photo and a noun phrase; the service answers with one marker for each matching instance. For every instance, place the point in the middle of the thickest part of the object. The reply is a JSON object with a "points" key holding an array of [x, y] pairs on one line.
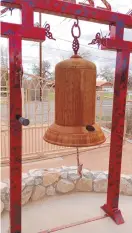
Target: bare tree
{"points": [[130, 79], [45, 70], [4, 57], [4, 71], [45, 74], [107, 74]]}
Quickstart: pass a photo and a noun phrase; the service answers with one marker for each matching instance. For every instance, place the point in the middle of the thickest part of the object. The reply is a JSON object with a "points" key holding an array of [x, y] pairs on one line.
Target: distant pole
{"points": [[40, 58]]}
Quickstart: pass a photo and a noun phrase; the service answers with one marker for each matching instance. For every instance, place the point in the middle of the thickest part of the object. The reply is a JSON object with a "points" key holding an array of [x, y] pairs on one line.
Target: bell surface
{"points": [[75, 98]]}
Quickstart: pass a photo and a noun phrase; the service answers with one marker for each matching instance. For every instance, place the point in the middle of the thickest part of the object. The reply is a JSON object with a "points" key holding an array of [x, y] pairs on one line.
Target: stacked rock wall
{"points": [[39, 183]]}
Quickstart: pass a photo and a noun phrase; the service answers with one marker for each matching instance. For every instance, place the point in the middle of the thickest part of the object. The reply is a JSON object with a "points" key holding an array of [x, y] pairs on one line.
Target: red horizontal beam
{"points": [[118, 45], [32, 33], [71, 10]]}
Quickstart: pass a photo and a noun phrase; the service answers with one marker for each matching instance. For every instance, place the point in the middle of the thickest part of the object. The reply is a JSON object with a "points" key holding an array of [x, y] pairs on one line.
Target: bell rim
{"points": [[79, 137], [74, 145]]}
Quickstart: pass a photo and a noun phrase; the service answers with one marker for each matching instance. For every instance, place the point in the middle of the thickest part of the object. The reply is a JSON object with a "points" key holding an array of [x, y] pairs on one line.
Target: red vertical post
{"points": [[118, 118], [15, 61]]}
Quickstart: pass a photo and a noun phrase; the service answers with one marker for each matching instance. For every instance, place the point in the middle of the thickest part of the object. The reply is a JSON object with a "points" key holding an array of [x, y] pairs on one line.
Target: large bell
{"points": [[75, 97]]}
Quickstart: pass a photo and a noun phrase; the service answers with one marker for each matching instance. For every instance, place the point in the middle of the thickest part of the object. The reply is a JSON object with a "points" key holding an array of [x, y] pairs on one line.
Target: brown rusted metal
{"points": [[75, 91]]}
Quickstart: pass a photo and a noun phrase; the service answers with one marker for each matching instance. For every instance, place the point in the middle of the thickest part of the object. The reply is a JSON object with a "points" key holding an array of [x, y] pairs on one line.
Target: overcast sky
{"points": [[55, 51]]}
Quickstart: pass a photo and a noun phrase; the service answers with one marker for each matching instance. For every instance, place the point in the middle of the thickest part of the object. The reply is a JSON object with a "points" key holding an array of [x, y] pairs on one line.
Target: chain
{"points": [[75, 44], [78, 164]]}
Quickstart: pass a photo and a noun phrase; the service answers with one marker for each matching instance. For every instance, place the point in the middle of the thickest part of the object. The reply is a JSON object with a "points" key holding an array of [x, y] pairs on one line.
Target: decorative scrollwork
{"points": [[75, 44], [99, 40], [48, 33], [11, 9]]}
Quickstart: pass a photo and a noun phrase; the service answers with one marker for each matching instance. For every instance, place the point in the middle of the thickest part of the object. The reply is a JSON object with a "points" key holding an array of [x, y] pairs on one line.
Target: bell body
{"points": [[75, 97]]}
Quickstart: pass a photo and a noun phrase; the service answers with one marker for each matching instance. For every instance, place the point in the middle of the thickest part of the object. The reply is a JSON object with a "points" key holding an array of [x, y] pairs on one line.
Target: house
{"points": [[100, 85], [104, 86]]}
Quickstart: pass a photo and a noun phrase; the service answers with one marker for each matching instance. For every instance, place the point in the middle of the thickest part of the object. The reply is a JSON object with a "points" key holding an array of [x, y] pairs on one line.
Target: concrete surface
{"points": [[56, 211]]}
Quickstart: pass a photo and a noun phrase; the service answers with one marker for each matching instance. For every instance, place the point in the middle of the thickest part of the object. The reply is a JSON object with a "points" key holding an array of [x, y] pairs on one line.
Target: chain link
{"points": [[75, 44]]}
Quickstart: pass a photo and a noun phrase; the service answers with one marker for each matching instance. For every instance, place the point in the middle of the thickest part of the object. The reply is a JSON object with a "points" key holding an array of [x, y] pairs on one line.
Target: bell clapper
{"points": [[78, 164]]}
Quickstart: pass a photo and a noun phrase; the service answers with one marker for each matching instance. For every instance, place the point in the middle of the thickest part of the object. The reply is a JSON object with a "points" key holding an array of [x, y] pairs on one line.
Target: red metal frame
{"points": [[26, 30]]}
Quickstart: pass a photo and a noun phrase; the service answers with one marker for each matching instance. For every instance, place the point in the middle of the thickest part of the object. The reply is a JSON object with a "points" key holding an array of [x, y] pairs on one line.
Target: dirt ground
{"points": [[95, 159]]}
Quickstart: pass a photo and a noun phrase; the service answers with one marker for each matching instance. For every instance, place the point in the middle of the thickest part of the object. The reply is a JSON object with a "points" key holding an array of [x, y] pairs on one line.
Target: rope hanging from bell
{"points": [[80, 166]]}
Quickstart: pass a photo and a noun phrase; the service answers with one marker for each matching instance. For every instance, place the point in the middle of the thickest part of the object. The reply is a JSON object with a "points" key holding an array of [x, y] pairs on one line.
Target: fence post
{"points": [[101, 106]]}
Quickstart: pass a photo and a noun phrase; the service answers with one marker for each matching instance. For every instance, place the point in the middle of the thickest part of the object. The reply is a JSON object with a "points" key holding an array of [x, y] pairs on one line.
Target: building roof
{"points": [[102, 83]]}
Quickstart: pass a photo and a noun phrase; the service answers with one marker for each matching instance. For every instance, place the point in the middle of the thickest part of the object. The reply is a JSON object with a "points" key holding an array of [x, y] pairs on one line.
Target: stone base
{"points": [[40, 183]]}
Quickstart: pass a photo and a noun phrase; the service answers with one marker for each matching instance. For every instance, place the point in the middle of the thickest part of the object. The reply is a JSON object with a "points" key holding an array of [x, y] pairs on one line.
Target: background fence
{"points": [[41, 115]]}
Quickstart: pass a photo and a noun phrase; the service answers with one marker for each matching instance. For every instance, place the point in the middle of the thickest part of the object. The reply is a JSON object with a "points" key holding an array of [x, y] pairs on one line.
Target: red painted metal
{"points": [[4, 11], [119, 104], [71, 10], [33, 33], [74, 224], [15, 133], [117, 22]]}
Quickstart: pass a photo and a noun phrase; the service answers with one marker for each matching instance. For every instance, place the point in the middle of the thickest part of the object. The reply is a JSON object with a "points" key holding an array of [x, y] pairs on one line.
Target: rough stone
{"points": [[24, 176], [7, 201], [38, 180], [64, 186], [26, 194], [95, 174], [84, 170], [29, 181], [84, 185], [131, 180], [50, 191], [7, 181], [36, 172], [67, 169], [50, 178], [127, 177], [64, 175], [102, 176], [23, 185], [30, 172], [100, 183], [37, 175], [87, 174], [3, 187], [58, 170], [38, 193], [5, 195], [73, 175], [2, 206], [125, 187]]}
